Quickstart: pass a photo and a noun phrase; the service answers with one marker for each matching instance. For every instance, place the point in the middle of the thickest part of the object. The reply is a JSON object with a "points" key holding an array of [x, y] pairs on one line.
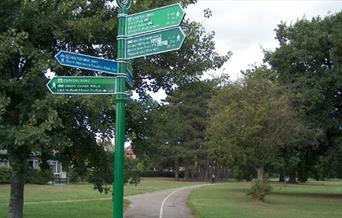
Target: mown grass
{"points": [[229, 200], [48, 201]]}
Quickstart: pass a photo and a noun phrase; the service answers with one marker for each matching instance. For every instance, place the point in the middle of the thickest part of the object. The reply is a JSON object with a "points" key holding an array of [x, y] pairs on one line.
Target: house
{"points": [[34, 162], [3, 159], [129, 152], [109, 147]]}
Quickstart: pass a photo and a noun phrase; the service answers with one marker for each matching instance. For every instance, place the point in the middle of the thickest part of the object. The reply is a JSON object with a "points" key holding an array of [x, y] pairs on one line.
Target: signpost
{"points": [[153, 20], [86, 62], [72, 85], [154, 43], [120, 98], [142, 34]]}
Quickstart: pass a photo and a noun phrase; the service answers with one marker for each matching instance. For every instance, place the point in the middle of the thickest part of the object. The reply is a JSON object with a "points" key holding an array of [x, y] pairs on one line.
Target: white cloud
{"points": [[244, 27]]}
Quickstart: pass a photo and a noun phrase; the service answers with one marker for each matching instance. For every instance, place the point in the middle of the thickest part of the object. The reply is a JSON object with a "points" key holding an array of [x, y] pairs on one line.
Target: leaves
{"points": [[252, 119]]}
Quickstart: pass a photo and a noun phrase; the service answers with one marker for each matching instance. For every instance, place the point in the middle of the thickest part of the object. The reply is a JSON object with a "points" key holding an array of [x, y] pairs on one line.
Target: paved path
{"points": [[162, 204]]}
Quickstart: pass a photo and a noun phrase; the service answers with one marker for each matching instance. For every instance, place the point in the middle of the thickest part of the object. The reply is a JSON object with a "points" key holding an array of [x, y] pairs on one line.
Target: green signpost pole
{"points": [[120, 96]]}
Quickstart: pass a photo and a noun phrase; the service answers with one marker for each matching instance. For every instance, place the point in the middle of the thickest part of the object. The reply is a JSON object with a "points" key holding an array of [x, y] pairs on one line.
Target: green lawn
{"points": [[48, 201], [229, 200]]}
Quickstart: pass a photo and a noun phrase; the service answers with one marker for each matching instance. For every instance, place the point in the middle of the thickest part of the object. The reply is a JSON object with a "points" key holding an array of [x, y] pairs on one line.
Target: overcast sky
{"points": [[245, 27]]}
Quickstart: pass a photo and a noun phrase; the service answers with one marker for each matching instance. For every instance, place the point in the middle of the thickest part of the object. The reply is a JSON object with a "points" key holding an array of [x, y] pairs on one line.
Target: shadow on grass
{"points": [[298, 194], [309, 195]]}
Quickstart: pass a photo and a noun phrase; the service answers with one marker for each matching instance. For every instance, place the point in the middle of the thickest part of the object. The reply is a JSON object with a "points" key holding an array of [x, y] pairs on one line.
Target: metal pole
{"points": [[120, 84]]}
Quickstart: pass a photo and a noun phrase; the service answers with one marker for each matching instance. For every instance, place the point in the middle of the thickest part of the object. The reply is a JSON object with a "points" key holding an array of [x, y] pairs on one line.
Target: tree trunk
{"points": [[206, 170], [186, 174], [260, 173], [177, 169], [281, 176], [16, 205], [292, 178]]}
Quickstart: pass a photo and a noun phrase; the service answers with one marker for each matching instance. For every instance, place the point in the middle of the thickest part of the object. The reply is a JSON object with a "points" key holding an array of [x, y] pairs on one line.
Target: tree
{"points": [[31, 33], [252, 119], [308, 62], [182, 133]]}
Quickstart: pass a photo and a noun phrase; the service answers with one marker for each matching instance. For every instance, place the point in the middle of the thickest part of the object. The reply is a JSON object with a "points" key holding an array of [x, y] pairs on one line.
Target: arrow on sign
{"points": [[156, 19], [82, 85], [86, 62], [154, 43]]}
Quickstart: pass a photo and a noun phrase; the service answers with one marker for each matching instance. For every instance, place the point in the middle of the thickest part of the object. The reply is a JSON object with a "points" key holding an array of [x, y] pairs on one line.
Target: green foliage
{"points": [[259, 189], [75, 177], [252, 120], [183, 121], [158, 174], [5, 175], [32, 176], [308, 62], [102, 175], [330, 165], [242, 172], [36, 176], [142, 115], [132, 175]]}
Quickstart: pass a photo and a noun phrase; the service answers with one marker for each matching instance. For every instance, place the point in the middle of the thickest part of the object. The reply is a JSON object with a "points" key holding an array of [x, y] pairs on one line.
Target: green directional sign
{"points": [[154, 43], [153, 20], [129, 75], [72, 85]]}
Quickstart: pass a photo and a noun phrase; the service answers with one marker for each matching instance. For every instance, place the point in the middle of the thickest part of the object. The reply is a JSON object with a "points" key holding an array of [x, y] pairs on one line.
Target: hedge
{"points": [[33, 176]]}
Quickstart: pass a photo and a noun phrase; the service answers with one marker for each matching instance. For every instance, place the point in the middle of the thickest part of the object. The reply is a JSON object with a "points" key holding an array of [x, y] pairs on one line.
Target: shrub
{"points": [[76, 177], [5, 175], [33, 176], [36, 176], [259, 189], [159, 174], [242, 172]]}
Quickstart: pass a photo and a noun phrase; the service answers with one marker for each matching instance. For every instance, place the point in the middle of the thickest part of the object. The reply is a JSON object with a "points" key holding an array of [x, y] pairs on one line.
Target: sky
{"points": [[246, 27]]}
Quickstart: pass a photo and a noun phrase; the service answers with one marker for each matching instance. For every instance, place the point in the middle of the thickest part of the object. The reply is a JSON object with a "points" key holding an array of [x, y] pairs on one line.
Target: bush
{"points": [[259, 189], [5, 175], [75, 177], [36, 176], [32, 176], [243, 173], [160, 174]]}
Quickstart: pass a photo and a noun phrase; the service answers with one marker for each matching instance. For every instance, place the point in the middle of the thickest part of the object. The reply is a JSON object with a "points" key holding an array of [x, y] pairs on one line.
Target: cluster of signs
{"points": [[147, 33]]}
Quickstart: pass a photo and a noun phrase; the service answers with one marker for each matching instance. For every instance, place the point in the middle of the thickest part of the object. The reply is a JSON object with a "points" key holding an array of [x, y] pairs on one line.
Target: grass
{"points": [[42, 201], [229, 200]]}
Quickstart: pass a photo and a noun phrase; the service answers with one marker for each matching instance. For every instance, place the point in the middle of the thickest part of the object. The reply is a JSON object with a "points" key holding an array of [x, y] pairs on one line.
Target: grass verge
{"points": [[77, 201], [229, 200]]}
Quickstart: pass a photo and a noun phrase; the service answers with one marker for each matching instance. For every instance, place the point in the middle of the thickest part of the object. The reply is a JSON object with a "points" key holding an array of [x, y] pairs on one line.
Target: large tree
{"points": [[183, 134], [31, 33], [308, 62], [252, 120]]}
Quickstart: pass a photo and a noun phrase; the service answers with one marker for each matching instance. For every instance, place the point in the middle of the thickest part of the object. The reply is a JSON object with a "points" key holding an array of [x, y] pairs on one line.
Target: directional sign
{"points": [[86, 62], [129, 75], [82, 85], [154, 43], [156, 19]]}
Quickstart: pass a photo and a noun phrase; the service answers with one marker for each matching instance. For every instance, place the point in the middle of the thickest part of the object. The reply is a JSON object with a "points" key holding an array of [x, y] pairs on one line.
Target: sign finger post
{"points": [[142, 34], [146, 33]]}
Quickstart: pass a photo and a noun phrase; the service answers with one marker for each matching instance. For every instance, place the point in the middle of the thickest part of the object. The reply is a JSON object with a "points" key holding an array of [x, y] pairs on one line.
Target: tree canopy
{"points": [[252, 119], [308, 62]]}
